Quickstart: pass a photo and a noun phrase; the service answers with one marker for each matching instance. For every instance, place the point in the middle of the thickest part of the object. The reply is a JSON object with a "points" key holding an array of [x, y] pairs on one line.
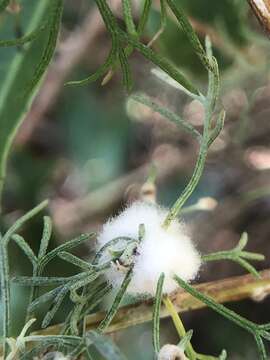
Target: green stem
{"points": [[144, 17], [179, 326], [199, 167], [242, 322], [161, 62], [209, 104], [127, 12], [221, 309], [5, 291], [168, 114]]}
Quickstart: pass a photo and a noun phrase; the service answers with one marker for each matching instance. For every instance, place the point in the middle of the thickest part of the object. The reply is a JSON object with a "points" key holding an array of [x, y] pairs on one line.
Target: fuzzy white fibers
{"points": [[170, 251]]}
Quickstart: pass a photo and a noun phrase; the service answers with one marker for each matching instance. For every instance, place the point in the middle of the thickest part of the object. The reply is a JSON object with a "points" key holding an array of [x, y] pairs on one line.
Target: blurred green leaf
{"points": [[24, 74], [105, 346]]}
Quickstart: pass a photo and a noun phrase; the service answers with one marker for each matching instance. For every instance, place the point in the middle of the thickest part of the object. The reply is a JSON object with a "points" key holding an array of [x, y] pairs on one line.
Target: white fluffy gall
{"points": [[170, 251]]}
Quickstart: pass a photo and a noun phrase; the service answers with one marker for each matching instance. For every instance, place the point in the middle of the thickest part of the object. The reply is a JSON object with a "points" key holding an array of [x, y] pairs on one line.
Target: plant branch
{"points": [[207, 138], [237, 255], [258, 331], [222, 291]]}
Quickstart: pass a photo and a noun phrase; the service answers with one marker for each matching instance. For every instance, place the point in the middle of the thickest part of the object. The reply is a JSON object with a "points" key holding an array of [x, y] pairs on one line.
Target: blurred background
{"points": [[89, 150]]}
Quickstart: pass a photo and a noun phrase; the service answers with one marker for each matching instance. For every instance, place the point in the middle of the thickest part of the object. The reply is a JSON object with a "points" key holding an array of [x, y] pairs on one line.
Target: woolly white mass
{"points": [[170, 251]]}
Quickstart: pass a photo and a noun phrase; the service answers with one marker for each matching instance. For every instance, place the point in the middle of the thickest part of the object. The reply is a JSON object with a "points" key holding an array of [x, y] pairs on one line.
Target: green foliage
{"points": [[156, 314], [3, 4], [4, 263], [260, 332], [86, 289], [105, 346], [238, 255], [22, 79], [116, 303]]}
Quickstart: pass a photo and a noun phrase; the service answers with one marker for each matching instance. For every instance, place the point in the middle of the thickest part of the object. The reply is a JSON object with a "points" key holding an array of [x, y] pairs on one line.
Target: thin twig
{"points": [[222, 291]]}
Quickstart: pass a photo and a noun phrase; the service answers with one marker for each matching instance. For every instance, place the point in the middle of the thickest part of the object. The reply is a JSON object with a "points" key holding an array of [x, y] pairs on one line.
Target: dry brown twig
{"points": [[222, 291], [261, 9]]}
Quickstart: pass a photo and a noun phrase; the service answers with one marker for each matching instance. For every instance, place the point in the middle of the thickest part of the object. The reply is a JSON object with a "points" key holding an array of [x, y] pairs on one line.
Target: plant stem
{"points": [[179, 326], [209, 105], [242, 322], [5, 291]]}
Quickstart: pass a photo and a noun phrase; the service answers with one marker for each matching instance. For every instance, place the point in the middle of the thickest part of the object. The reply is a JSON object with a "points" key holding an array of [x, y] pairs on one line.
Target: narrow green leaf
{"points": [[22, 220], [56, 305], [126, 73], [116, 303], [160, 61], [218, 127], [104, 345], [44, 298], [25, 248], [64, 247], [261, 348], [99, 72], [90, 277], [67, 339], [19, 87], [189, 32], [242, 242], [251, 269], [127, 13], [144, 16], [238, 256], [24, 39], [5, 290], [185, 341], [55, 15], [97, 297], [72, 259], [168, 114], [71, 286], [156, 313], [252, 256], [40, 281], [163, 22], [47, 281], [249, 326], [46, 235]]}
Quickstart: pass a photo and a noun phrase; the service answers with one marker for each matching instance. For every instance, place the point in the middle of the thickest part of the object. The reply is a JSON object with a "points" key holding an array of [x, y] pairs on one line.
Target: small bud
{"points": [[14, 7], [260, 293], [207, 203], [171, 352], [148, 192], [55, 355]]}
